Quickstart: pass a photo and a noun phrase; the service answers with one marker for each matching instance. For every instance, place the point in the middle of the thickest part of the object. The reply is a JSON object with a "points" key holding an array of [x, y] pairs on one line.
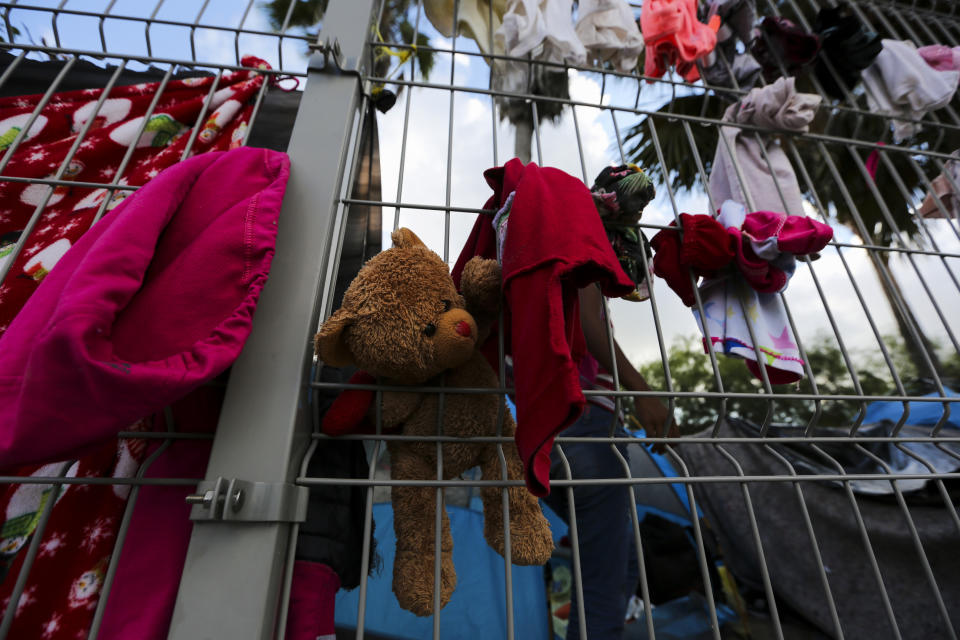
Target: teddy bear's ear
{"points": [[403, 238], [330, 343]]}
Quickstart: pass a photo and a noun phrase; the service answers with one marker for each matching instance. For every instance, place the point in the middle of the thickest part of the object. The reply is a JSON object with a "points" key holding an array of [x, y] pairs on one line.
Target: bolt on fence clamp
{"points": [[330, 51], [245, 501]]}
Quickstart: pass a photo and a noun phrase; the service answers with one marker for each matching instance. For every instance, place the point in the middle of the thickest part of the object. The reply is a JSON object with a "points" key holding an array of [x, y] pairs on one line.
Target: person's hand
{"points": [[654, 416]]}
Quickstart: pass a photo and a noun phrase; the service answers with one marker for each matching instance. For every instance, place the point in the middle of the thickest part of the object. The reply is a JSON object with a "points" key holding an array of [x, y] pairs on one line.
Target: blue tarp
{"points": [[921, 413], [477, 608]]}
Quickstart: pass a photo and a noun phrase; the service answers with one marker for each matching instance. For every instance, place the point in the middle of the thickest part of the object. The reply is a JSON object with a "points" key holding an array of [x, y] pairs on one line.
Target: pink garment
{"points": [[312, 595], [140, 604], [674, 37], [154, 300], [766, 243], [941, 57]]}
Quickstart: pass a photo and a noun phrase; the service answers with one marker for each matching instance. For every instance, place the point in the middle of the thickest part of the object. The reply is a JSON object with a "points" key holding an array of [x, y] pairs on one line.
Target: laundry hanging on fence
{"points": [[620, 194], [555, 244], [846, 49], [143, 270], [901, 84], [784, 47], [725, 66], [675, 38], [609, 33], [744, 259], [732, 306], [941, 57], [476, 19], [776, 106], [944, 187], [543, 31], [70, 211]]}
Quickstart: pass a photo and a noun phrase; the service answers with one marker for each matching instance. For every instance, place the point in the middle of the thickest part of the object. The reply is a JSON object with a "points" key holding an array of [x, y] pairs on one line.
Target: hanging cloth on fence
{"points": [[901, 84], [555, 244], [725, 66], [945, 191], [941, 57], [743, 258], [143, 270], [776, 106], [620, 194], [609, 32], [473, 19], [675, 38], [846, 45], [781, 46], [70, 211], [543, 31], [732, 303]]}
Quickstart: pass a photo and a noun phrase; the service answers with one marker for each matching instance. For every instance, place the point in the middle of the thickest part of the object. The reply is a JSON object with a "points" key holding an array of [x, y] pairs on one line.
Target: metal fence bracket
{"points": [[246, 501]]}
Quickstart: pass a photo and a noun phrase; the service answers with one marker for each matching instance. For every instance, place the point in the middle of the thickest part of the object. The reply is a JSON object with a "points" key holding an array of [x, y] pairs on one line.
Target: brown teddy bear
{"points": [[403, 321]]}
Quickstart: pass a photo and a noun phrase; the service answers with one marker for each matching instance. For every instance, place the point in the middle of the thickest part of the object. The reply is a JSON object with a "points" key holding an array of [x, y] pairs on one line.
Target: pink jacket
{"points": [[154, 300]]}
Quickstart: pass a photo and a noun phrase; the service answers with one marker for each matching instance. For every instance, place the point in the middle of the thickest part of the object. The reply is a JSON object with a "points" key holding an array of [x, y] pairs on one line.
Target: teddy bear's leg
{"points": [[530, 539], [413, 522]]}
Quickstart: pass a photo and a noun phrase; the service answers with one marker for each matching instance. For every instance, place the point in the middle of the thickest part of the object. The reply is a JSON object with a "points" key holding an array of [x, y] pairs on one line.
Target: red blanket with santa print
{"points": [[63, 589]]}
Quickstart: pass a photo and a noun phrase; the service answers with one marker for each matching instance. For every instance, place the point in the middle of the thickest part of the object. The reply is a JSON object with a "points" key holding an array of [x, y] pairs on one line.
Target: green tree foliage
{"points": [[690, 370]]}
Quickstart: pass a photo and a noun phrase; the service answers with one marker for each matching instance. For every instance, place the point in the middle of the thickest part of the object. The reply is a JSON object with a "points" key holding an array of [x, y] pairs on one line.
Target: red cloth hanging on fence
{"points": [[555, 244]]}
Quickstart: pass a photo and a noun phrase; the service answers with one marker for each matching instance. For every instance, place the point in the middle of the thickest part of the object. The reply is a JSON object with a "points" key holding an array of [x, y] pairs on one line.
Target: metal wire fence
{"points": [[891, 272]]}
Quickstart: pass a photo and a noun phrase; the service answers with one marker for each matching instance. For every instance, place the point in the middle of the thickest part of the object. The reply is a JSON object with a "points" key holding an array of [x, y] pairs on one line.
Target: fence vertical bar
{"points": [[265, 423]]}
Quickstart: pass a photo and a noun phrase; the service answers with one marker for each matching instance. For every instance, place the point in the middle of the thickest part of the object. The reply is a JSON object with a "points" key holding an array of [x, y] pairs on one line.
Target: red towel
{"points": [[555, 245]]}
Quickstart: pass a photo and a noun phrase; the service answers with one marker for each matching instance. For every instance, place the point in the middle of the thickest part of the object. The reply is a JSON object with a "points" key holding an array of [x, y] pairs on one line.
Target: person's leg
{"points": [[604, 529]]}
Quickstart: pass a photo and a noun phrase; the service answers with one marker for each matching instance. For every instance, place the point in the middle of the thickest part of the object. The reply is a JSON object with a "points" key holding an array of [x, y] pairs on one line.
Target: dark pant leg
{"points": [[604, 528]]}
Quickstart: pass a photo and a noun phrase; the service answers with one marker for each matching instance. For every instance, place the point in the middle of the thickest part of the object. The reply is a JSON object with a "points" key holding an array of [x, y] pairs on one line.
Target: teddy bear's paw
{"points": [[413, 581], [480, 284], [530, 539]]}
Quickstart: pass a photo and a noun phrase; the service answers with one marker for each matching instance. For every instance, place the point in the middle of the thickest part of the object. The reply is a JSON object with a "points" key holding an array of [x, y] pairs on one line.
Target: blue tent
{"points": [[921, 413], [477, 608]]}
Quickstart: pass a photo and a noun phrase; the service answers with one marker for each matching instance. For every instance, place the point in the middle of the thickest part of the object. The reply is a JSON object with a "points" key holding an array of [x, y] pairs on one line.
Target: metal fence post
{"points": [[233, 571]]}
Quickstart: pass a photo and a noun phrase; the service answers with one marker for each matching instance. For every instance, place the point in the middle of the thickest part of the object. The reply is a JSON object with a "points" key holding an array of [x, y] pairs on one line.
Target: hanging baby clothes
{"points": [[142, 270], [776, 106], [745, 299], [846, 45], [781, 46], [675, 38], [70, 211], [555, 244], [945, 191], [941, 57], [473, 19], [609, 32], [725, 66], [900, 83], [542, 29]]}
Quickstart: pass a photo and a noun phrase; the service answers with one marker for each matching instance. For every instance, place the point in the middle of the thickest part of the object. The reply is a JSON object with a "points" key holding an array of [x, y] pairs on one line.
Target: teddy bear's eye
{"points": [[446, 305], [429, 330]]}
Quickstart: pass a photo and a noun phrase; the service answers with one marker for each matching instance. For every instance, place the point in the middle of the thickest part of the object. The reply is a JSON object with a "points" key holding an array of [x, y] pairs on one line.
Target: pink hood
{"points": [[154, 300]]}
